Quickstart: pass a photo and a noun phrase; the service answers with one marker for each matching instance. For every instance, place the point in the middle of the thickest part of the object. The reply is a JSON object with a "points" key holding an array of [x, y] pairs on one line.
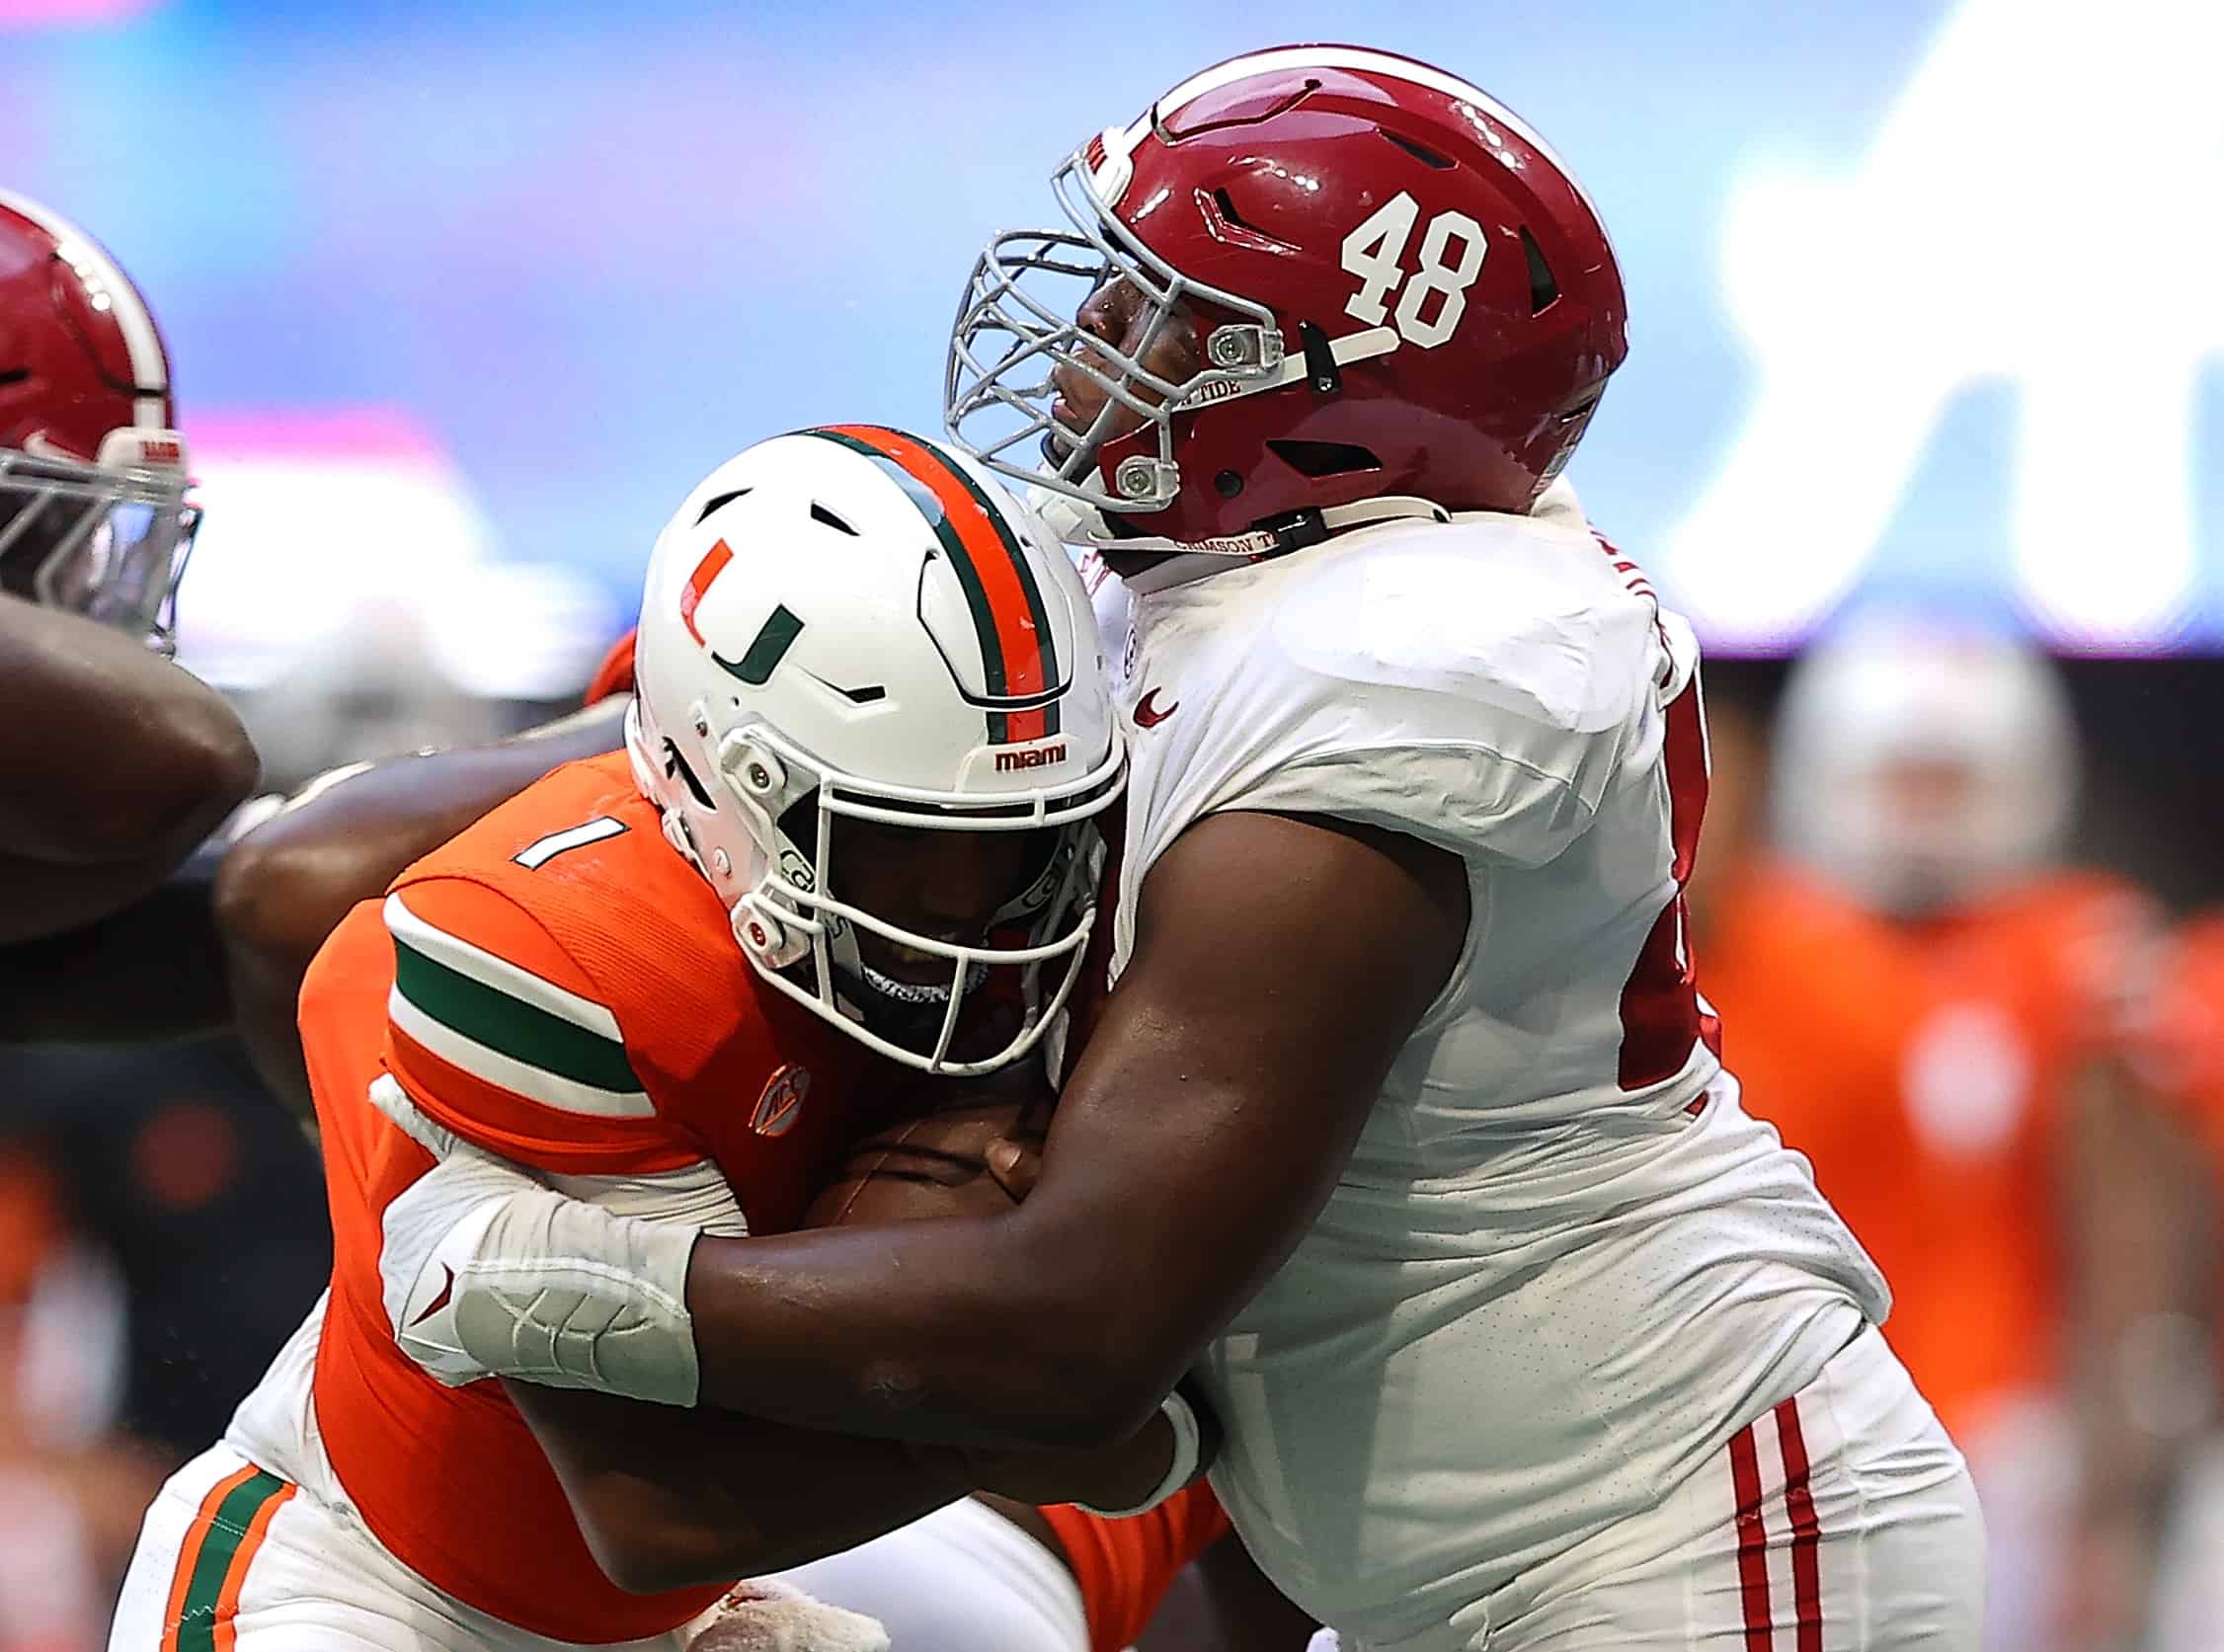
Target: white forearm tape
{"points": [[487, 1273]]}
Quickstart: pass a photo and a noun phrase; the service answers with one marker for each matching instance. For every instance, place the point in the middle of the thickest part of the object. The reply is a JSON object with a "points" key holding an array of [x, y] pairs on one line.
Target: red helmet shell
{"points": [[80, 355], [94, 515], [1343, 189]]}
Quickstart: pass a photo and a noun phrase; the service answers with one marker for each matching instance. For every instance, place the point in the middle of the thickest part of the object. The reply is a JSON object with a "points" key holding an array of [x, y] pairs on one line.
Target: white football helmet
{"points": [[853, 621], [1920, 766]]}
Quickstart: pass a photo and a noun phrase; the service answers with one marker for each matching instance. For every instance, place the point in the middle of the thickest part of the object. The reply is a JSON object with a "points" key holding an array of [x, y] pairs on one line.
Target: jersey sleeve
{"points": [[496, 1031], [614, 676]]}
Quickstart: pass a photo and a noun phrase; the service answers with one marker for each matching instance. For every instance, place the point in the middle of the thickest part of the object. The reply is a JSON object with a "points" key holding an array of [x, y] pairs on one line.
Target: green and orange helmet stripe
{"points": [[1018, 652]]}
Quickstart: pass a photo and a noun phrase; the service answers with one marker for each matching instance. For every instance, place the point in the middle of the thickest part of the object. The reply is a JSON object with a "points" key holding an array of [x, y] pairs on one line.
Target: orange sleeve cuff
{"points": [[616, 675]]}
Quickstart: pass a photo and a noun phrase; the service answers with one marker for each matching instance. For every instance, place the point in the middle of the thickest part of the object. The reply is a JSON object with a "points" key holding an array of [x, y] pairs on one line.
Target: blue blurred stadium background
{"points": [[463, 297]]}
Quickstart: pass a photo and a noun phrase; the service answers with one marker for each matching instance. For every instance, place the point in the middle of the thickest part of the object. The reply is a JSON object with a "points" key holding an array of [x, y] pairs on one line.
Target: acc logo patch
{"points": [[797, 871], [781, 1104]]}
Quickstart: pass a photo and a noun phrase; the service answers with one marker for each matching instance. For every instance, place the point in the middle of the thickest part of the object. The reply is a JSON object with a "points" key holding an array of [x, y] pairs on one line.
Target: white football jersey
{"points": [[1564, 1266]]}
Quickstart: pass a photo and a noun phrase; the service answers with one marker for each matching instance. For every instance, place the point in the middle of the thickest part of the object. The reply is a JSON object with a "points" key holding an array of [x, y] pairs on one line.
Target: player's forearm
{"points": [[983, 1333], [288, 883], [127, 762], [46, 899], [669, 1498], [990, 1334], [291, 880]]}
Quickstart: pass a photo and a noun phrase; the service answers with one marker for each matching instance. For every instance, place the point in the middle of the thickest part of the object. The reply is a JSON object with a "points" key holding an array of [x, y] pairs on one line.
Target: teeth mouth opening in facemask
{"points": [[912, 992]]}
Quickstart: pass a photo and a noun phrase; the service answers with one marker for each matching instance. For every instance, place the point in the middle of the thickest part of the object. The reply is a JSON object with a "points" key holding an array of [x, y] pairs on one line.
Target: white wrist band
{"points": [[1189, 1449]]}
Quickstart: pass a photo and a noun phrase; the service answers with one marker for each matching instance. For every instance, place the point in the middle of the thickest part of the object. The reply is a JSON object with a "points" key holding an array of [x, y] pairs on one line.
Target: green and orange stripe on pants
{"points": [[1018, 656], [212, 1563]]}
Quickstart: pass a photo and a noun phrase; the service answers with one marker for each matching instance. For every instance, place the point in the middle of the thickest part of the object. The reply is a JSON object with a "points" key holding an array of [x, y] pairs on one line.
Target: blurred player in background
{"points": [[1403, 1124], [1936, 1011], [115, 766]]}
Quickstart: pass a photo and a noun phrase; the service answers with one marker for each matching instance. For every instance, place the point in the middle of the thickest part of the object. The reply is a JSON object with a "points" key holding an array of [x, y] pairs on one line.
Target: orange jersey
{"points": [[1815, 997], [1920, 1067], [559, 986]]}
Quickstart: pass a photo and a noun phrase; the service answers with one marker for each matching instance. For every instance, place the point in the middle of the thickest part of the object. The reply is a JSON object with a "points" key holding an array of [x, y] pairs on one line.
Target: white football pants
{"points": [[1842, 1521], [285, 1572]]}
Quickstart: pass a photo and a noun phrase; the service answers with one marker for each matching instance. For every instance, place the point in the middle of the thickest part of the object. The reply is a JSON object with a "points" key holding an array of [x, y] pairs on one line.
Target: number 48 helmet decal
{"points": [[1397, 290]]}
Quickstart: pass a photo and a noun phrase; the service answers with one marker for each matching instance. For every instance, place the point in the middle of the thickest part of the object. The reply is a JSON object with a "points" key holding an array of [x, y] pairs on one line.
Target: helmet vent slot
{"points": [[819, 513], [1225, 205], [1318, 460], [1543, 291], [1173, 130], [1426, 156], [675, 764], [719, 504], [13, 375]]}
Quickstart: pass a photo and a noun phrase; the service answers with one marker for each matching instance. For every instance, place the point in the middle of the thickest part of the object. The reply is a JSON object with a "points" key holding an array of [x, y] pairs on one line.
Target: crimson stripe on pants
{"points": [[1752, 1542], [1806, 1530]]}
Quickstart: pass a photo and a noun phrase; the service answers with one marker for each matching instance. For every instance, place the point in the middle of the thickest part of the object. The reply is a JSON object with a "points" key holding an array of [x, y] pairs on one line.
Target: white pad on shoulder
{"points": [[487, 1273]]}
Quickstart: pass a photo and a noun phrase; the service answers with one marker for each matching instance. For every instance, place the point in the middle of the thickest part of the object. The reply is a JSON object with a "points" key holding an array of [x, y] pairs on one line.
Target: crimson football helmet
{"points": [[93, 511], [1399, 294]]}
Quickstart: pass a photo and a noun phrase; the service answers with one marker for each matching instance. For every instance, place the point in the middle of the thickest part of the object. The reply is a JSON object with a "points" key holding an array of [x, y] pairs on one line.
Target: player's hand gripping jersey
{"points": [[560, 987], [1564, 1266]]}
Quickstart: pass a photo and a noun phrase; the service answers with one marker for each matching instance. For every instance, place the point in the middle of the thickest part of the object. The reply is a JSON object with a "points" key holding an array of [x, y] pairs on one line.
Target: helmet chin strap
{"points": [[1322, 362], [1187, 561]]}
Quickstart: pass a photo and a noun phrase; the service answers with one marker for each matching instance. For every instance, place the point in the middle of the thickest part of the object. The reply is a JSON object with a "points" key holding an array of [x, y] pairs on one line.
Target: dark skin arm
{"points": [[288, 883], [117, 764], [1281, 962], [669, 1498]]}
